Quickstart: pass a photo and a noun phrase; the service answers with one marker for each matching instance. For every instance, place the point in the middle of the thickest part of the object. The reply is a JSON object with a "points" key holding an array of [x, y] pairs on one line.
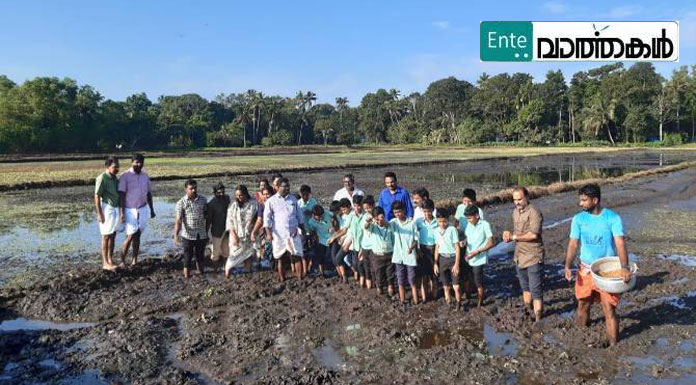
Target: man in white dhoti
{"points": [[282, 221]]}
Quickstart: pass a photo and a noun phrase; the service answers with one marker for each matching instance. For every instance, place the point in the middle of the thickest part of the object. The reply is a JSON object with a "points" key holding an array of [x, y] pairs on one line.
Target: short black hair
{"points": [[422, 191], [591, 190], [334, 206], [471, 210], [442, 212], [317, 210], [283, 180], [190, 182], [523, 190], [369, 199], [390, 174], [377, 211], [428, 204], [110, 160], [276, 176], [469, 193], [219, 186], [305, 189], [398, 205], [345, 202], [357, 199], [137, 156], [349, 176]]}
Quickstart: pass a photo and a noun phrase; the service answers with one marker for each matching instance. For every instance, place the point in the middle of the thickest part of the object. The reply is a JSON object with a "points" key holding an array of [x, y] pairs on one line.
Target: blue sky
{"points": [[280, 47]]}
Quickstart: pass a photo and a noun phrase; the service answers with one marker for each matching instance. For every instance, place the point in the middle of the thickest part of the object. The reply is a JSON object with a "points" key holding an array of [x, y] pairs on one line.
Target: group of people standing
{"points": [[400, 241]]}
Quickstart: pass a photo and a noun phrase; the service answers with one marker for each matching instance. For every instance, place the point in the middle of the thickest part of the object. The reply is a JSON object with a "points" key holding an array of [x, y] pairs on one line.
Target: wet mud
{"points": [[147, 325]]}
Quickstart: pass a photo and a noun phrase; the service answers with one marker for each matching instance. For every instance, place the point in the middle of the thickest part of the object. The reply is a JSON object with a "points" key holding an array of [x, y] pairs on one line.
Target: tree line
{"points": [[610, 103]]}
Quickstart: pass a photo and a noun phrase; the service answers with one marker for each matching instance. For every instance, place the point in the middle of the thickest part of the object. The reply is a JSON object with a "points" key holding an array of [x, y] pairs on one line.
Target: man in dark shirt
{"points": [[217, 218]]}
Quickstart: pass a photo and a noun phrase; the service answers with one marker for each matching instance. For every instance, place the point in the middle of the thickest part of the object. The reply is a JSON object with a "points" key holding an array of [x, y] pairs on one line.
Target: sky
{"points": [[343, 49]]}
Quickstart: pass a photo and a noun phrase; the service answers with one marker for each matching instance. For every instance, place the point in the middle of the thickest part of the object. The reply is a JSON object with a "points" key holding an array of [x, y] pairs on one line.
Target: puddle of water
{"points": [[687, 363], [328, 356], [686, 346], [50, 363], [568, 314], [686, 260], [643, 362], [647, 379], [88, 377], [25, 324], [499, 344], [557, 223], [680, 281], [434, 339]]}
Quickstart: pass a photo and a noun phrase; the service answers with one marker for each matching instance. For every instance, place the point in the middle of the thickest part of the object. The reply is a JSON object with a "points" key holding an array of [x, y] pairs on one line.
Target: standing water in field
{"points": [[59, 224]]}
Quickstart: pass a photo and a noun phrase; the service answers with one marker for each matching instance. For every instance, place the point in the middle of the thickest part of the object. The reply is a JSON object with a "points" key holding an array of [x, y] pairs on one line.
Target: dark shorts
{"points": [[193, 250], [531, 280], [354, 263], [338, 255], [364, 267], [426, 262], [445, 265], [405, 275], [322, 255], [383, 269], [475, 274]]}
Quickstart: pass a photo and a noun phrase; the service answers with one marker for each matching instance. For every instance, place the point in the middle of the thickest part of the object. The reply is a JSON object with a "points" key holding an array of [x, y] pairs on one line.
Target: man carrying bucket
{"points": [[600, 233]]}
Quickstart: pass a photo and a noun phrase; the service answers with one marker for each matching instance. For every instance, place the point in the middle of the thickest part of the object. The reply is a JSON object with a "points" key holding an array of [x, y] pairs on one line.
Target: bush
{"points": [[672, 139], [230, 135], [278, 138]]}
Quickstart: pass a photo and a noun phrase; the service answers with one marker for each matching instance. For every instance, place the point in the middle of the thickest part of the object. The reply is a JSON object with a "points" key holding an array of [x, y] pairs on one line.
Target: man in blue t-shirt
{"points": [[599, 233]]}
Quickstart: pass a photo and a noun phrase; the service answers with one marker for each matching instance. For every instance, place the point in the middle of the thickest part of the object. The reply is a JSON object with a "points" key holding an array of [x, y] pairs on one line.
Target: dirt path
{"points": [[155, 328]]}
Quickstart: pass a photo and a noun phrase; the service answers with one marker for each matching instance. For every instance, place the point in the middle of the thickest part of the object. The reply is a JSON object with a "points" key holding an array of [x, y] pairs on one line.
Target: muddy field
{"points": [[148, 326]]}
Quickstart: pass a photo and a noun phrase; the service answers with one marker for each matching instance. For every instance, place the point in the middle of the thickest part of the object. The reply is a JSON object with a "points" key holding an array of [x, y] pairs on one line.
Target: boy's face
{"points": [[400, 214], [367, 207], [345, 210], [442, 222], [380, 219], [473, 219], [305, 196], [316, 217], [467, 201], [113, 169], [358, 209], [428, 213]]}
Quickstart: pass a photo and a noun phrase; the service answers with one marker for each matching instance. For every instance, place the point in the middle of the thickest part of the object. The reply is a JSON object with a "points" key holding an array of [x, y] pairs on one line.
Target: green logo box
{"points": [[506, 41]]}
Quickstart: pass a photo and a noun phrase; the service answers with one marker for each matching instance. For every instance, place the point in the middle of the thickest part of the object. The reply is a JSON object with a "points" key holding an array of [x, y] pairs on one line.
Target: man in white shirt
{"points": [[348, 189], [420, 195]]}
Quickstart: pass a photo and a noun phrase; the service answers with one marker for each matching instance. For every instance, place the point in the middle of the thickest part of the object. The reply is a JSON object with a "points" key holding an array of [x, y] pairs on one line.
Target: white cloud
{"points": [[442, 24], [555, 7], [623, 12]]}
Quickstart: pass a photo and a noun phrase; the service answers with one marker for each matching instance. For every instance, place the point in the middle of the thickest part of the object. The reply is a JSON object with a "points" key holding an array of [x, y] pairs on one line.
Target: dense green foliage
{"points": [[610, 103]]}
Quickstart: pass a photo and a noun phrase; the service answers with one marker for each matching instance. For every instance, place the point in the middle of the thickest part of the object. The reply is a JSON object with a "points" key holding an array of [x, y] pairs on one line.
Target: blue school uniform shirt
{"points": [[476, 237], [306, 206], [405, 234], [386, 198], [596, 234], [322, 227], [459, 215], [426, 231], [447, 240], [381, 238]]}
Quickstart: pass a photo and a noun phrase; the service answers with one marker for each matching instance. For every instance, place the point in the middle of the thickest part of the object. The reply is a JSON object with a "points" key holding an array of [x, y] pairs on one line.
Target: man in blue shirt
{"points": [[599, 233], [394, 193]]}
